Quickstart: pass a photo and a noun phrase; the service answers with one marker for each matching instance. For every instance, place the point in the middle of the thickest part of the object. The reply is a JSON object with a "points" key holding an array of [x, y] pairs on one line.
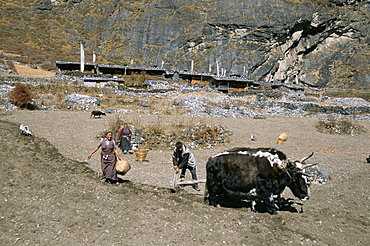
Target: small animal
{"points": [[97, 113], [25, 130], [368, 159]]}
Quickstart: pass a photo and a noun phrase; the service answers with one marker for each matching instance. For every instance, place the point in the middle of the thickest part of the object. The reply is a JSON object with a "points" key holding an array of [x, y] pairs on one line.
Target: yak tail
{"points": [[206, 195], [239, 194]]}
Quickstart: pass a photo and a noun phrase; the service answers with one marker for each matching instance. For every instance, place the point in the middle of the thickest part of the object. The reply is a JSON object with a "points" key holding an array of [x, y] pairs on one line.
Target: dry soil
{"points": [[50, 193]]}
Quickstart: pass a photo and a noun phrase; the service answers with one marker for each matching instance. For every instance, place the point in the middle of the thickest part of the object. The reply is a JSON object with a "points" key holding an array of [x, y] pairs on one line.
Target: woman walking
{"points": [[124, 136], [109, 157]]}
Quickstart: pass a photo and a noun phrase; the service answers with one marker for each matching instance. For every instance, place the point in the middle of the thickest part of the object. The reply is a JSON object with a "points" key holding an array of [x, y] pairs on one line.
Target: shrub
{"points": [[21, 95], [342, 127]]}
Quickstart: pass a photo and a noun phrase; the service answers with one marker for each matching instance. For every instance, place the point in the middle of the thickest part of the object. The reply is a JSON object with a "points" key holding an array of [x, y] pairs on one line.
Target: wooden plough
{"points": [[190, 182], [177, 181]]}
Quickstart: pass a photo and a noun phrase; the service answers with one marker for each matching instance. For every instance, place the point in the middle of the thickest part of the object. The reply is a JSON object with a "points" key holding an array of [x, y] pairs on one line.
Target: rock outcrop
{"points": [[322, 43]]}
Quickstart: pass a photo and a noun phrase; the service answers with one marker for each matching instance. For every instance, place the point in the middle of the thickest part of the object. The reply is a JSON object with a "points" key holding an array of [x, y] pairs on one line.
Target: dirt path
{"points": [[50, 197]]}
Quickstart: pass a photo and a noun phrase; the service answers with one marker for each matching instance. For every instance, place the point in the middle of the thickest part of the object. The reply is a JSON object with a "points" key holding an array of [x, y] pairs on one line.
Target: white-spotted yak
{"points": [[255, 174]]}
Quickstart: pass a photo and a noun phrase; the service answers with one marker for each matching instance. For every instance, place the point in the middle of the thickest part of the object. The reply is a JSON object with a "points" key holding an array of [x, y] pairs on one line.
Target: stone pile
{"points": [[347, 102], [317, 175], [159, 86], [203, 101], [75, 98], [226, 107], [5, 104]]}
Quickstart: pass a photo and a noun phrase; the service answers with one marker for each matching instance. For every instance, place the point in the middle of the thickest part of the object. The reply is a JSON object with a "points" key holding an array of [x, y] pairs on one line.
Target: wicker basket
{"points": [[282, 137], [141, 153], [122, 167]]}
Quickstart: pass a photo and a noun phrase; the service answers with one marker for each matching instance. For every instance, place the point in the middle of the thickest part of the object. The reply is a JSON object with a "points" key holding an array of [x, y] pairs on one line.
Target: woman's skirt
{"points": [[125, 144], [108, 166]]}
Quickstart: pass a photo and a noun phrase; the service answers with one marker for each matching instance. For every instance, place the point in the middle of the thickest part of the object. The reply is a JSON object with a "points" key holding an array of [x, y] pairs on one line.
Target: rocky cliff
{"points": [[322, 43]]}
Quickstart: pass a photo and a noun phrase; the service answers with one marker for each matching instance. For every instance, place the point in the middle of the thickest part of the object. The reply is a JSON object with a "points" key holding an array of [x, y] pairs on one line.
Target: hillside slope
{"points": [[320, 43]]}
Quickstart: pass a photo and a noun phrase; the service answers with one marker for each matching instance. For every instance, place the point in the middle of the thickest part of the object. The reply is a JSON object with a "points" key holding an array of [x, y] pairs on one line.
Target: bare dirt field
{"points": [[50, 193]]}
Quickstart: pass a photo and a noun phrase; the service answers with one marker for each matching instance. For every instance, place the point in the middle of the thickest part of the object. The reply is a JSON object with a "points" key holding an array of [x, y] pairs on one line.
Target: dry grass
{"points": [[137, 120], [2, 54], [52, 93], [342, 127], [201, 94], [363, 95], [137, 79], [31, 72], [167, 108], [114, 125], [160, 133], [161, 125]]}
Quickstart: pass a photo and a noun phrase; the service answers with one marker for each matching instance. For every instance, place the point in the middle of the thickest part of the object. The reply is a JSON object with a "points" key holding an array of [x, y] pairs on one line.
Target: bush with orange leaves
{"points": [[21, 95]]}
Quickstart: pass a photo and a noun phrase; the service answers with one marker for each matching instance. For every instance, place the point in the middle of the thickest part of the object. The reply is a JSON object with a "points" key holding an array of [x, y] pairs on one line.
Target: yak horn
{"points": [[307, 175], [283, 165], [306, 158], [308, 165]]}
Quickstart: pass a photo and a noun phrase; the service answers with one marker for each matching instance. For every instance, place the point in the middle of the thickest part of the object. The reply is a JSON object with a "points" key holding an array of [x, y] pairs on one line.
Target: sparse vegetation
{"points": [[162, 135], [11, 65], [136, 80], [342, 127], [198, 136], [114, 125], [363, 95], [49, 65]]}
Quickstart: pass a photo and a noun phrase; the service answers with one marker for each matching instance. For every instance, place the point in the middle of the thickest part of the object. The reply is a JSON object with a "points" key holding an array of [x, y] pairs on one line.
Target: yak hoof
{"points": [[273, 212], [253, 206]]}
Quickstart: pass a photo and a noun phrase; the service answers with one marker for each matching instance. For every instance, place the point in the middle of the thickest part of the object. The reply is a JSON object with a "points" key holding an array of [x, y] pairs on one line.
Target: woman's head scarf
{"points": [[106, 133]]}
